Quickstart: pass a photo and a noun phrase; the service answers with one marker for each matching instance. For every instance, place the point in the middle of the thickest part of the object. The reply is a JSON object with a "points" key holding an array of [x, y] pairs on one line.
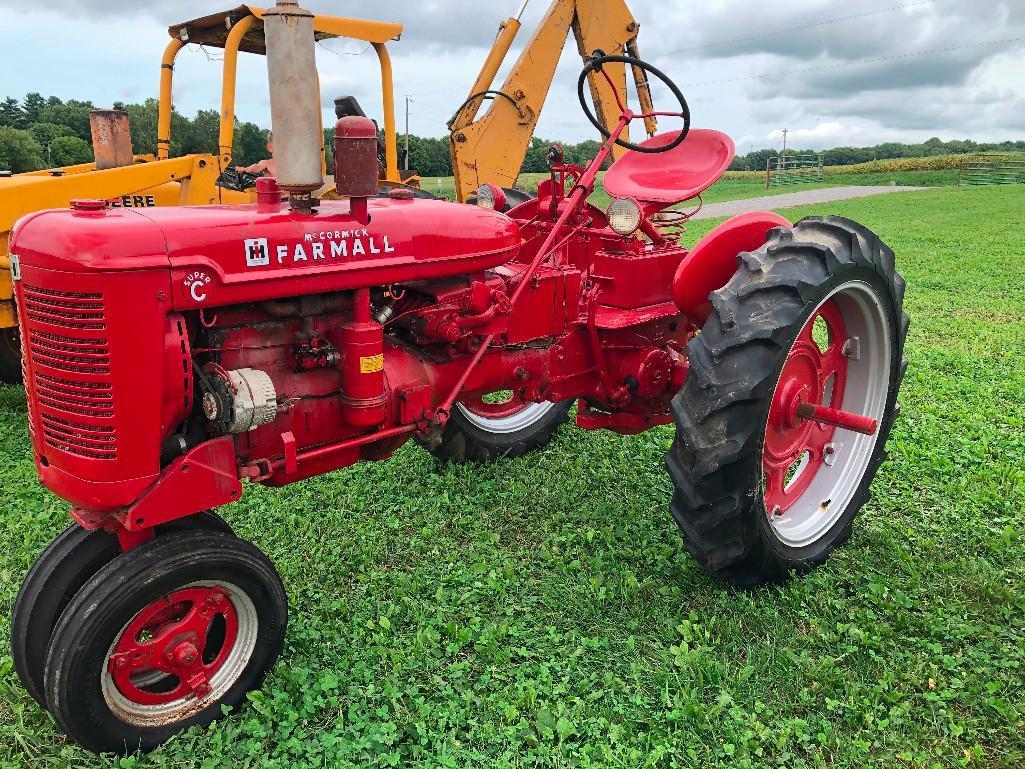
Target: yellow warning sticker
{"points": [[371, 364]]}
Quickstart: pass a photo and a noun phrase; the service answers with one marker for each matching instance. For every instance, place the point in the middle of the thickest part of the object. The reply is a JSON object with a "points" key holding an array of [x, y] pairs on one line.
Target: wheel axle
{"points": [[837, 418]]}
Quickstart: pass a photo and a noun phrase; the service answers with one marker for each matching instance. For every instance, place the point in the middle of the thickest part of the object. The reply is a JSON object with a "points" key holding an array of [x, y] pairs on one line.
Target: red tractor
{"points": [[173, 353]]}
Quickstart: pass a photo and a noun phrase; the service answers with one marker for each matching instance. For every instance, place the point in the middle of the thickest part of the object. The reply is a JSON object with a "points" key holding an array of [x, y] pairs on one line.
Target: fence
{"points": [[793, 169], [992, 168]]}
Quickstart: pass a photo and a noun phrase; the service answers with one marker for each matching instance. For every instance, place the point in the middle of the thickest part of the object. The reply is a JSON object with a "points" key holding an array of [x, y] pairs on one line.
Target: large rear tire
{"points": [[10, 356], [815, 315]]}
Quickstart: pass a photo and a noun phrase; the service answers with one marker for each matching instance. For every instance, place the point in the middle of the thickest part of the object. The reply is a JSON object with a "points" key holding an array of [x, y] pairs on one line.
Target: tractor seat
{"points": [[674, 176]]}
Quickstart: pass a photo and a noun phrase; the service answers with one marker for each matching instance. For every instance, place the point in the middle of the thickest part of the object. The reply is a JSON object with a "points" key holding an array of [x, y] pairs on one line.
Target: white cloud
{"points": [[108, 50]]}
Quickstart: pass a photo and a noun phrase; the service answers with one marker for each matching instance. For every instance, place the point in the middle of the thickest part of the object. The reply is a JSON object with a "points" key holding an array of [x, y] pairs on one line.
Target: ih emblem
{"points": [[257, 253]]}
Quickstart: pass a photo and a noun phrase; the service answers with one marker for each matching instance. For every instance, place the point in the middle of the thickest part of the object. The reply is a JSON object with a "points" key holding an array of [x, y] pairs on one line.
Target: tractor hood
{"points": [[221, 255]]}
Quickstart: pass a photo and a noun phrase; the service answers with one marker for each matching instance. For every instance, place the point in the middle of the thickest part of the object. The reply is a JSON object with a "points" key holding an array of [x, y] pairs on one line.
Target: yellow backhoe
{"points": [[490, 148]]}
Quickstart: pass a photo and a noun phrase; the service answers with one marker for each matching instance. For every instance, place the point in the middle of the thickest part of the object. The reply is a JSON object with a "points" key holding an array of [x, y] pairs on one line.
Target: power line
{"points": [[803, 26], [856, 62]]}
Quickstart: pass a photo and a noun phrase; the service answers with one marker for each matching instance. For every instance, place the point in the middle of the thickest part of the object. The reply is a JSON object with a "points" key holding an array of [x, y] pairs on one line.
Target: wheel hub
{"points": [[173, 647]]}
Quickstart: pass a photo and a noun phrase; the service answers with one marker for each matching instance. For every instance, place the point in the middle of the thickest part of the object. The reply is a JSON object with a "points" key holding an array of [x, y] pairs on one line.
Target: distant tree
{"points": [[419, 159], [70, 151], [201, 133], [33, 105], [19, 150], [329, 147], [73, 114], [11, 113], [581, 154], [536, 158], [439, 157], [250, 144], [143, 121], [45, 133]]}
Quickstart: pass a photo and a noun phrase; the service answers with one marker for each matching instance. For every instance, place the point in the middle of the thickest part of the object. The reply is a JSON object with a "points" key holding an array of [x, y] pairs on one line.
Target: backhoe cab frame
{"points": [[491, 149], [241, 29]]}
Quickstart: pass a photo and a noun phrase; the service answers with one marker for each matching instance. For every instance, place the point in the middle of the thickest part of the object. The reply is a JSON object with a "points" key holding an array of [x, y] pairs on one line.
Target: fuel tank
{"points": [[222, 255]]}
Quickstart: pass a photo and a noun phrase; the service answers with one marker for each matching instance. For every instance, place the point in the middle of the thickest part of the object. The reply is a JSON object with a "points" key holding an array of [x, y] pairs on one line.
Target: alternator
{"points": [[240, 400]]}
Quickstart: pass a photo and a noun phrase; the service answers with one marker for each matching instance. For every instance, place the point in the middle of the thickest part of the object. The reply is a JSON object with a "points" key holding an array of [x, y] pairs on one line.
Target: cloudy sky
{"points": [[833, 72]]}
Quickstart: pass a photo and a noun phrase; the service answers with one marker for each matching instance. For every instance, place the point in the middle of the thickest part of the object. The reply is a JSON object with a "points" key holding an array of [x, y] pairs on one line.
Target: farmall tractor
{"points": [[173, 354]]}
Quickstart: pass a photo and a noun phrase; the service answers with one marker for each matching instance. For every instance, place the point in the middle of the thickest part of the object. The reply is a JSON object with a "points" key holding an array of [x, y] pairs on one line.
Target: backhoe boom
{"points": [[492, 148]]}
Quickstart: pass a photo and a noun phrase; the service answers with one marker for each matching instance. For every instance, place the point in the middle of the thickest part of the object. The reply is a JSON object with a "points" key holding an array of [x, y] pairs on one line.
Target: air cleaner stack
{"points": [[295, 101]]}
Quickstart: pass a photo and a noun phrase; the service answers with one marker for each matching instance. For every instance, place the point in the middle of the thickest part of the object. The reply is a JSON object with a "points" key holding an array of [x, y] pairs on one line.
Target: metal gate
{"points": [[793, 169], [992, 168]]}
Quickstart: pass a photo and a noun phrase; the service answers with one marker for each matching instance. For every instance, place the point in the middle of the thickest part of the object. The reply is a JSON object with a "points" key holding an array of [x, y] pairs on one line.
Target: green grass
{"points": [[543, 611]]}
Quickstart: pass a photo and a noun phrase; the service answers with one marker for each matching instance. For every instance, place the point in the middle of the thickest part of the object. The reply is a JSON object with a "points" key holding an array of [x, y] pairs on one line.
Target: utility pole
{"points": [[783, 154], [408, 100]]}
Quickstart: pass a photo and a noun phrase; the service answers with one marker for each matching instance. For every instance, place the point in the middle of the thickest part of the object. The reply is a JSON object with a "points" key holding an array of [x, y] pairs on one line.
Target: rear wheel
{"points": [[59, 572], [10, 356], [813, 320], [162, 638], [484, 428]]}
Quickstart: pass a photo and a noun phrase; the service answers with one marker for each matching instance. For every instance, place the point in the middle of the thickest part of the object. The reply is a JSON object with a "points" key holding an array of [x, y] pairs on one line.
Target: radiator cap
{"points": [[88, 204]]}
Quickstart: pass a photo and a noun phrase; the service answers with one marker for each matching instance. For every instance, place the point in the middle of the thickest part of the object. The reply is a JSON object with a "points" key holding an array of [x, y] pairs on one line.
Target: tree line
{"points": [[848, 156], [46, 132], [38, 132]]}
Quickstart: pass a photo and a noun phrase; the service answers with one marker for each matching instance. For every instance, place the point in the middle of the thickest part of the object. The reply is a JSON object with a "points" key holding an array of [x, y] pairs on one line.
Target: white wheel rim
{"points": [[152, 716], [529, 415]]}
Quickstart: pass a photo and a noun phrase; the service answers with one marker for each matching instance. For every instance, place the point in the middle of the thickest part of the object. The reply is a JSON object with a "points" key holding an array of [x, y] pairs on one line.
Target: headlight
{"points": [[491, 197], [624, 216]]}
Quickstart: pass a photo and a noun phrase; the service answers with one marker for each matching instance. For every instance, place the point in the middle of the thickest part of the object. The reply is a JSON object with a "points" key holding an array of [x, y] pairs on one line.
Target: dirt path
{"points": [[791, 199]]}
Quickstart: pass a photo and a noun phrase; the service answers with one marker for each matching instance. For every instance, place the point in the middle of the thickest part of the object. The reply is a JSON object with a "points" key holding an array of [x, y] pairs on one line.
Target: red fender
{"points": [[713, 261]]}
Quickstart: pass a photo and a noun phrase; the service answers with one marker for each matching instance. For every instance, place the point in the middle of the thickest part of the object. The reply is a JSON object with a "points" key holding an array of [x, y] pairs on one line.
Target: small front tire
{"points": [[163, 637], [483, 430], [52, 581]]}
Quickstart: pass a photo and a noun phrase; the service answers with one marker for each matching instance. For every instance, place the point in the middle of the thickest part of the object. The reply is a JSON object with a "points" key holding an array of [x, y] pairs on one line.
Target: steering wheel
{"points": [[238, 181], [596, 63]]}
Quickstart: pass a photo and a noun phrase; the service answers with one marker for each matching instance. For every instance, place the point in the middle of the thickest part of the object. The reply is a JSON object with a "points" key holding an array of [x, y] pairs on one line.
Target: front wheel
{"points": [[811, 325], [163, 637], [57, 574]]}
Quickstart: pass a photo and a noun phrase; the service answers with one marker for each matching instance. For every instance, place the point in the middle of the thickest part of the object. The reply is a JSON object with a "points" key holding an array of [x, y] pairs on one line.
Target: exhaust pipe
{"points": [[294, 102]]}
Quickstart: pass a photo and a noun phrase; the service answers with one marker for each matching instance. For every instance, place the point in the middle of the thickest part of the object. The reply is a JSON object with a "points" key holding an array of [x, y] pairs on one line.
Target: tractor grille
{"points": [[87, 399], [64, 309], [69, 357]]}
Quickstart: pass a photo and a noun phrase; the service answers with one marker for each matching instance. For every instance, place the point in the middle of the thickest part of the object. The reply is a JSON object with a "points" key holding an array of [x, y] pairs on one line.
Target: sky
{"points": [[833, 73]]}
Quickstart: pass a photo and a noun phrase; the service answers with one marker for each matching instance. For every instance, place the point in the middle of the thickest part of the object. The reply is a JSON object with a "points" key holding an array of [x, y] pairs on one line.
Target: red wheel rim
{"points": [[795, 449], [168, 652]]}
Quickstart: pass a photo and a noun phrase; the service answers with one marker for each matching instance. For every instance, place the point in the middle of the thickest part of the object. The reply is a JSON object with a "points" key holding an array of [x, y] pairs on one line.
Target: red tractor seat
{"points": [[674, 176]]}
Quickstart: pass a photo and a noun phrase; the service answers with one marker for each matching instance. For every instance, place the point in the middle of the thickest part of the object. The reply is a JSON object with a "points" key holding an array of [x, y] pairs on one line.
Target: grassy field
{"points": [[543, 612], [737, 188]]}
